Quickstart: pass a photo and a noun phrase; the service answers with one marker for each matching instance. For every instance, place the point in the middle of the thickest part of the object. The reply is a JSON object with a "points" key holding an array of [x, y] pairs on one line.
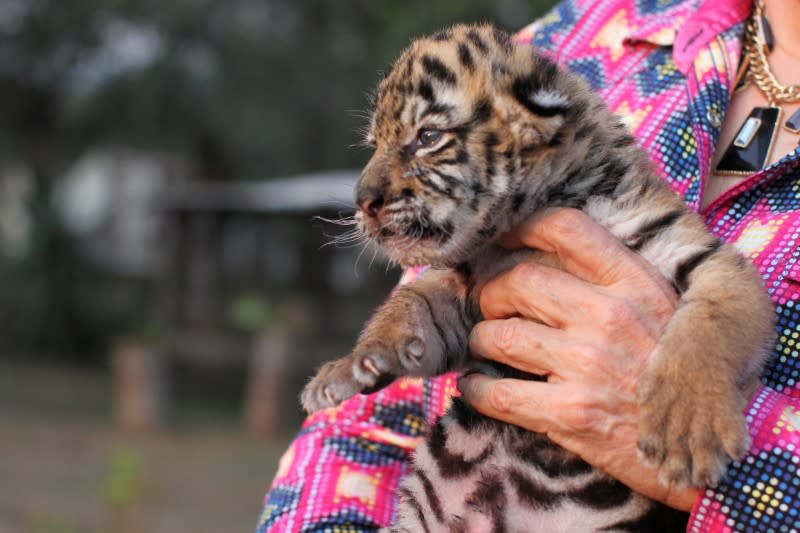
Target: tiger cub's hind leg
{"points": [[422, 330]]}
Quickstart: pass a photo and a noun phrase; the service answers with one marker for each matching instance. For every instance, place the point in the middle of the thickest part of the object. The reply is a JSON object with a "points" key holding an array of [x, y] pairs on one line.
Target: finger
{"points": [[522, 344], [534, 291], [584, 248], [522, 403]]}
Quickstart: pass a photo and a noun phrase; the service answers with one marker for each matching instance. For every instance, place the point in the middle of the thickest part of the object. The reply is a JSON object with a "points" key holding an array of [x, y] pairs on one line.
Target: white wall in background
{"points": [[110, 199]]}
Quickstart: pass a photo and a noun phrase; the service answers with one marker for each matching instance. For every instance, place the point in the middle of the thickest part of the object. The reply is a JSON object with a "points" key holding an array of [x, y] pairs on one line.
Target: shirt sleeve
{"points": [[342, 471], [762, 492]]}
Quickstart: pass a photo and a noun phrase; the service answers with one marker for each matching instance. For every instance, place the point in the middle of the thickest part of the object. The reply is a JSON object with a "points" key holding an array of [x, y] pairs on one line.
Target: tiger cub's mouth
{"points": [[403, 228]]}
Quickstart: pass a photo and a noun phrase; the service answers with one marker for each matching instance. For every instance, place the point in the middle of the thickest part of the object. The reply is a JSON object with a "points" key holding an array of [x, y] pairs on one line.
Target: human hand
{"points": [[590, 329]]}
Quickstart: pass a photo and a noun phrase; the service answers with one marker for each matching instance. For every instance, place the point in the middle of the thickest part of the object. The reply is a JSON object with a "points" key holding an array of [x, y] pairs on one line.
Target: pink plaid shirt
{"points": [[667, 67]]}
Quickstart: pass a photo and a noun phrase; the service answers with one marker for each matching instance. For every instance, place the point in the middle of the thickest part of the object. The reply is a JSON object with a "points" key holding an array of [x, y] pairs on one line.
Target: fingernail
{"points": [[469, 385], [461, 383]]}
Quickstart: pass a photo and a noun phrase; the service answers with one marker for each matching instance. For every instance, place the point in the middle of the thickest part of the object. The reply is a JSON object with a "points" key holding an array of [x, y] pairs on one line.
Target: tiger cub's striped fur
{"points": [[472, 135]]}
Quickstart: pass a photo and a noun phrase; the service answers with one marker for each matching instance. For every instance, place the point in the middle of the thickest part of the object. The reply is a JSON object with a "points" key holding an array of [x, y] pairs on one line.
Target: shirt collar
{"points": [[688, 26]]}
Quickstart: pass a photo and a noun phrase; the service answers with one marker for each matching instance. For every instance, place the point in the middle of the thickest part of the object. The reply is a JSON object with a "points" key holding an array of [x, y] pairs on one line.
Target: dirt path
{"points": [[69, 476]]}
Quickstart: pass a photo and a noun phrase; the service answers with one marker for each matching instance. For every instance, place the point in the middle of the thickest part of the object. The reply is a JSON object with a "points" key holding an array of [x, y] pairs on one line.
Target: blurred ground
{"points": [[64, 469]]}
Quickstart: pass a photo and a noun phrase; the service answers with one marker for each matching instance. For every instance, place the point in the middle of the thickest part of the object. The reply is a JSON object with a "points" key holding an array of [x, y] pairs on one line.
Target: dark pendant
{"points": [[752, 145], [793, 124]]}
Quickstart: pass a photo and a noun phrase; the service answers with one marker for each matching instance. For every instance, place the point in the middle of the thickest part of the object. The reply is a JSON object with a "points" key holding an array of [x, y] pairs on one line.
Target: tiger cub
{"points": [[472, 135]]}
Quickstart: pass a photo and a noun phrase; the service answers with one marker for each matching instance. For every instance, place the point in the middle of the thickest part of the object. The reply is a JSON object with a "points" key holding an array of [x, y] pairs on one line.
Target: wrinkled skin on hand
{"points": [[590, 329]]}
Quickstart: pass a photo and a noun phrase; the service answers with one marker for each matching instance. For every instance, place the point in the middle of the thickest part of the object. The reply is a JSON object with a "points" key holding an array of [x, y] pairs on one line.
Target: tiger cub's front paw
{"points": [[690, 434], [405, 337], [370, 367]]}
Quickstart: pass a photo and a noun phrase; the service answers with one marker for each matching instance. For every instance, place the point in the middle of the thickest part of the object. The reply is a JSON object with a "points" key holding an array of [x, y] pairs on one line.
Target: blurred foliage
{"points": [[246, 89], [253, 88], [122, 489], [252, 312], [122, 486]]}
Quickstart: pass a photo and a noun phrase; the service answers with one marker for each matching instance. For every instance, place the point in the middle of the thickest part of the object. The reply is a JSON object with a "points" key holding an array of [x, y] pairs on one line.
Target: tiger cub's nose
{"points": [[369, 201]]}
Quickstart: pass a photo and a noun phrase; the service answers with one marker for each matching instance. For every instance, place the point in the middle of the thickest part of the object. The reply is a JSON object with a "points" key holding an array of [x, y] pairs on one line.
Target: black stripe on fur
{"points": [[467, 417], [437, 108], [430, 184], [489, 144], [411, 500], [435, 68], [659, 519], [531, 493], [425, 90], [653, 227], [477, 41], [482, 113], [551, 459], [613, 171], [430, 493], [683, 271], [465, 57], [450, 464], [602, 494], [490, 496], [501, 38], [452, 181]]}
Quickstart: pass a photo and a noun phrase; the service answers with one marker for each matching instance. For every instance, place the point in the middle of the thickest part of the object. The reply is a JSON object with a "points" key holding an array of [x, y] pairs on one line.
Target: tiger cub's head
{"points": [[466, 128]]}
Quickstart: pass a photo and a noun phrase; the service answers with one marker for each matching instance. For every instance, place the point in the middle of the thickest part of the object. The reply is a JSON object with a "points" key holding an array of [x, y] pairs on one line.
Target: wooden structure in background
{"points": [[227, 239], [140, 396], [224, 240]]}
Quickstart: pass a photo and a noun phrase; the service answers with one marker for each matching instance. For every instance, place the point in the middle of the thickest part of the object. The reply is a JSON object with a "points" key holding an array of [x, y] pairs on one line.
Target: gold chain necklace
{"points": [[752, 144], [757, 44]]}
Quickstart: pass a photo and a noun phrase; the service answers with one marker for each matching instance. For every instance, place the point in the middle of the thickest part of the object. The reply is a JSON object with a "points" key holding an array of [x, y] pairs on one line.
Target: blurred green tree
{"points": [[246, 89]]}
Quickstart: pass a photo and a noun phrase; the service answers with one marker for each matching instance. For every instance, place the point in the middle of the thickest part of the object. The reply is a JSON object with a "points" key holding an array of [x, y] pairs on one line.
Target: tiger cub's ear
{"points": [[537, 113], [542, 102]]}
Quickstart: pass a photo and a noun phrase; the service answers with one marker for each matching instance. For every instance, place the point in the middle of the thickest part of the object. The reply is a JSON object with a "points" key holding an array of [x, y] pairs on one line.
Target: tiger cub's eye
{"points": [[429, 137]]}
